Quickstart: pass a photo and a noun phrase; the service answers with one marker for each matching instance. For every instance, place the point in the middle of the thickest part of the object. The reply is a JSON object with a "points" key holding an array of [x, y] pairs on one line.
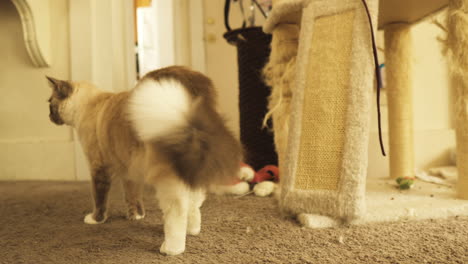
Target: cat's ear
{"points": [[62, 88]]}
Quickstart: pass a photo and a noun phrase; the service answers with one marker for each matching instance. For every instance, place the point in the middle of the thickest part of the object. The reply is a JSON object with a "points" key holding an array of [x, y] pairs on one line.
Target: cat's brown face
{"points": [[61, 91]]}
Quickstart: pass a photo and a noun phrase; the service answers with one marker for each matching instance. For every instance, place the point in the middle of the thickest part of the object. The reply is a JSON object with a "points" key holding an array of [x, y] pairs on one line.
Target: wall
{"points": [[221, 57], [31, 146], [433, 133], [164, 39]]}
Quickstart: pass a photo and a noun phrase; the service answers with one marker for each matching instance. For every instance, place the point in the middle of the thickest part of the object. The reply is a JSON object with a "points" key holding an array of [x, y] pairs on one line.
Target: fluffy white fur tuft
{"points": [[317, 221], [157, 107]]}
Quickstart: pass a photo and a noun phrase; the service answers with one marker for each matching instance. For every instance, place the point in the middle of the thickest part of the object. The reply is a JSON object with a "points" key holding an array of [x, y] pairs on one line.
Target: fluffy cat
{"points": [[165, 132]]}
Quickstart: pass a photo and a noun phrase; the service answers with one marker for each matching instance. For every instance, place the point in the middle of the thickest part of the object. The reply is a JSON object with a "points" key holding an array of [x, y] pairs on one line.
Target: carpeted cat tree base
{"points": [[320, 102], [386, 203]]}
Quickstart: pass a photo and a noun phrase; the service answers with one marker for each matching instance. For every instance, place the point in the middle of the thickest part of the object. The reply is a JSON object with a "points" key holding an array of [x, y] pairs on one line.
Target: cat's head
{"points": [[60, 101]]}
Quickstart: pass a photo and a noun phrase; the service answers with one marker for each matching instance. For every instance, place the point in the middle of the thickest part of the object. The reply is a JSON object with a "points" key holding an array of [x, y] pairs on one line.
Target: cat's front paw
{"points": [[89, 219], [172, 249], [265, 188]]}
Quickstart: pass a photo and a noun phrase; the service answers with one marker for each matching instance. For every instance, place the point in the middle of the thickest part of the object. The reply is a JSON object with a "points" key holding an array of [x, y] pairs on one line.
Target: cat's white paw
{"points": [[139, 217], [236, 189], [193, 231], [239, 189], [246, 173], [173, 249], [136, 217], [265, 188], [90, 220]]}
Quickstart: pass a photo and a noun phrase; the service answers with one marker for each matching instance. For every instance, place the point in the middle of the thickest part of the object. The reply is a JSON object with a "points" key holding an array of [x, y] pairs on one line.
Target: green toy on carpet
{"points": [[405, 183]]}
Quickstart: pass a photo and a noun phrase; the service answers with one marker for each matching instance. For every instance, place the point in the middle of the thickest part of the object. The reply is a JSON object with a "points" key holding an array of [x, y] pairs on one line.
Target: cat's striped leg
{"points": [[101, 181], [134, 199]]}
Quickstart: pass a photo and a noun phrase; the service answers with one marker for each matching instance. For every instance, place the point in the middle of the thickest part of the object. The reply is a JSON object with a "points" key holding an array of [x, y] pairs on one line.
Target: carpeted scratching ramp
{"points": [[326, 157]]}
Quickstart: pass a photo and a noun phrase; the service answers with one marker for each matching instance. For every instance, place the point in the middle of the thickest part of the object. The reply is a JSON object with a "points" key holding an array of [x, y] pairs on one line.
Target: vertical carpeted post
{"points": [[457, 48], [399, 95]]}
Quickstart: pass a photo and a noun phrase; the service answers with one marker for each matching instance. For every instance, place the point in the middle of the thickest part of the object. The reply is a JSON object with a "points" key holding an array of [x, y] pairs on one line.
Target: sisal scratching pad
{"points": [[325, 102]]}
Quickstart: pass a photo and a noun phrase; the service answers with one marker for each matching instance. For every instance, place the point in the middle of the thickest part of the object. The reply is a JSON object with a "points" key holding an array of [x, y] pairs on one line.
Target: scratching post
{"points": [[400, 103], [253, 49], [457, 47], [326, 157]]}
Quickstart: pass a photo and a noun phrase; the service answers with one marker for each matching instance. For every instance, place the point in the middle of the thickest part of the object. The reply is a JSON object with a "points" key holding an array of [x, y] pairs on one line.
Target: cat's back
{"points": [[196, 83], [114, 137]]}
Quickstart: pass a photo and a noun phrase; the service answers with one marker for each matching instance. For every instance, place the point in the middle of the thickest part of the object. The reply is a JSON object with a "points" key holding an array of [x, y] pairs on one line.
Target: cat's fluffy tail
{"points": [[158, 107], [186, 130]]}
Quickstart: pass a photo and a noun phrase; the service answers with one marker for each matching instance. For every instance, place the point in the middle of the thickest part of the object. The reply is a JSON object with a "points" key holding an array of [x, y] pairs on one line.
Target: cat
{"points": [[166, 132]]}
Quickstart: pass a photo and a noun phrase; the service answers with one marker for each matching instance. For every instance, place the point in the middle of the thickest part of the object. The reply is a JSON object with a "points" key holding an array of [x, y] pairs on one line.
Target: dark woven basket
{"points": [[253, 49]]}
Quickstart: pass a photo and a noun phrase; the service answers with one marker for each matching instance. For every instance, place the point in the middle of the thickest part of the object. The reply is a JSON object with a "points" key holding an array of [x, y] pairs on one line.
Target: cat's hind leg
{"points": [[134, 199], [174, 197], [197, 197], [101, 182]]}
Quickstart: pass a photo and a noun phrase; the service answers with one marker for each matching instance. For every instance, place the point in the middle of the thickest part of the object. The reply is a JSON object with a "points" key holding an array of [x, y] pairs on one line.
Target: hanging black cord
{"points": [[378, 75], [227, 5], [260, 8]]}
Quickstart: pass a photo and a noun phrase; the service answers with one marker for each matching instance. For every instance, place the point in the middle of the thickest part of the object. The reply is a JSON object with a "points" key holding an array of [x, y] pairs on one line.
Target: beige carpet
{"points": [[42, 223]]}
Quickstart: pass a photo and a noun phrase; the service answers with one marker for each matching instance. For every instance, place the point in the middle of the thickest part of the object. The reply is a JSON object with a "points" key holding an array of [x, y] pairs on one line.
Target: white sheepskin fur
{"points": [[316, 221]]}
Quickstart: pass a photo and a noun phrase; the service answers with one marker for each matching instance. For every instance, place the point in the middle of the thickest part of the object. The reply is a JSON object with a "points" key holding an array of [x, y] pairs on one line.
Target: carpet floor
{"points": [[41, 222]]}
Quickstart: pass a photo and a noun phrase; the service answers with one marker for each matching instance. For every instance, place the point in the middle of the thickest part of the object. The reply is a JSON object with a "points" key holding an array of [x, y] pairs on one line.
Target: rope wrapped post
{"points": [[400, 103], [457, 48], [253, 49]]}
